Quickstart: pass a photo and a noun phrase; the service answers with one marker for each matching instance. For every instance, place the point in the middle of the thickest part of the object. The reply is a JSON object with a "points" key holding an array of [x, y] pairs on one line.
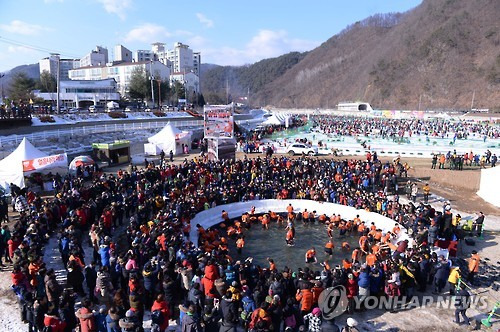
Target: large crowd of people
{"points": [[391, 128], [137, 224]]}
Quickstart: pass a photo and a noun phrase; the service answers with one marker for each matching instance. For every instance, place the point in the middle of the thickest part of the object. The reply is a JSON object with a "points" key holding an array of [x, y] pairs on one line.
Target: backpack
{"points": [[157, 317]]}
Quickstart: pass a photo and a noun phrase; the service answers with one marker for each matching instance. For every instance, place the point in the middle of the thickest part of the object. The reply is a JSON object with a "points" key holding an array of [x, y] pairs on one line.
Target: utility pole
{"points": [[1, 87], [227, 91], [159, 93], [58, 105], [472, 102], [151, 78], [419, 102]]}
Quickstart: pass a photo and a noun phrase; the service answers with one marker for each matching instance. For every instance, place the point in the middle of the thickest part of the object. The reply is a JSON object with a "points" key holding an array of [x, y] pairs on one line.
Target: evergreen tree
{"points": [[21, 87], [47, 82], [139, 87]]}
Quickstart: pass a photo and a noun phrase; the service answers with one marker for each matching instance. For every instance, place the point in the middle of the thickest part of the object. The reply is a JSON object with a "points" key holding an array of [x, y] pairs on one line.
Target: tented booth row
{"points": [[27, 161], [27, 165], [168, 139]]}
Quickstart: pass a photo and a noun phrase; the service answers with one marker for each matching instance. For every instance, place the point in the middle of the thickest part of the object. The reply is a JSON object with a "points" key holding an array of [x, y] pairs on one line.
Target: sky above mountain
{"points": [[225, 32]]}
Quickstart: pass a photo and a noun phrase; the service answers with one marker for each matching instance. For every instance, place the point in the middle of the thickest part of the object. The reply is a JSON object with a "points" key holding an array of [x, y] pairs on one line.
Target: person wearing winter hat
{"points": [[314, 320], [351, 325], [130, 322]]}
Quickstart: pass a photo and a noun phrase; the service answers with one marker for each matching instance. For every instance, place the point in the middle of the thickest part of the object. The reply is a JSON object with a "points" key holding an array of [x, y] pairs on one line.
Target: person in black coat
{"points": [[67, 311], [90, 279], [462, 303], [40, 308], [229, 323], [228, 306], [441, 276], [210, 319], [75, 278]]}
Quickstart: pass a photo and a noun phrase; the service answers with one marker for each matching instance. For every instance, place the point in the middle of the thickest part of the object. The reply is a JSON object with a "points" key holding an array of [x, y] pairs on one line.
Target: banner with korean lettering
{"points": [[218, 121], [57, 163]]}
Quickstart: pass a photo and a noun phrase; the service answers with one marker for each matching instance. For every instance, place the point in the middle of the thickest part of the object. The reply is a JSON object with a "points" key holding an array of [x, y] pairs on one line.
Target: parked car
{"points": [[96, 108], [75, 110], [299, 148]]}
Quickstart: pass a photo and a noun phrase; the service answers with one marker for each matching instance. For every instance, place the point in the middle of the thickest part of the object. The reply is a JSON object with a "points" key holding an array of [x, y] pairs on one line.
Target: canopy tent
{"points": [[11, 167], [80, 161], [488, 187], [273, 120], [170, 139]]}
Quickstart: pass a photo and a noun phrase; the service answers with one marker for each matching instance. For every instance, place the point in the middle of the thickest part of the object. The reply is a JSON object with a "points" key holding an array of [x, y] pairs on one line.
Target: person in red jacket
{"points": [[352, 292], [86, 317], [162, 305], [13, 244], [51, 319]]}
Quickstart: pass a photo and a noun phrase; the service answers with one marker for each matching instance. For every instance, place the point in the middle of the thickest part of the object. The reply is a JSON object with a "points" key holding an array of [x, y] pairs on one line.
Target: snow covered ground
{"points": [[90, 117]]}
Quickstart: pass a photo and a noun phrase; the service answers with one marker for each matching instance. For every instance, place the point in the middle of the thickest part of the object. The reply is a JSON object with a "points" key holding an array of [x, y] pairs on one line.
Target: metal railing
{"points": [[95, 129]]}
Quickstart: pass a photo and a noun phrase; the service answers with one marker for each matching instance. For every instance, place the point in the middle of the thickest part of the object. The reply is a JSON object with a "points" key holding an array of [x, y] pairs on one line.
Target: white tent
{"points": [[272, 121], [170, 139], [11, 167], [488, 187]]}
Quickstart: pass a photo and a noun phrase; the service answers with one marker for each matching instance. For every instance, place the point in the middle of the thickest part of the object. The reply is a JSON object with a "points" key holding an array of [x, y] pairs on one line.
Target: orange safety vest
{"points": [[474, 263], [355, 255], [346, 264], [371, 259], [240, 243], [310, 253]]}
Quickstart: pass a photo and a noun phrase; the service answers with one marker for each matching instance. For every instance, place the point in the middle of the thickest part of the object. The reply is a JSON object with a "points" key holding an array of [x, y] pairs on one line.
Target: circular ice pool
{"points": [[261, 243]]}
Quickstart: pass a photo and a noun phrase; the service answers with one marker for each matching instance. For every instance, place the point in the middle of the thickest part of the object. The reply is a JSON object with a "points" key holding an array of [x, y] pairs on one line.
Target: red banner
{"points": [[37, 164]]}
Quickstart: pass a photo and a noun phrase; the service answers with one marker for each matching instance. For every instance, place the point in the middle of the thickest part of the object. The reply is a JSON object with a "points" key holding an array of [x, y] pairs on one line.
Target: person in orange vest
{"points": [[289, 208], [329, 248], [371, 259], [346, 264], [225, 216], [361, 228], [356, 254], [362, 243], [273, 215], [290, 235], [345, 246], [305, 216], [329, 229], [311, 256], [305, 297], [272, 265], [265, 221], [240, 243], [473, 266]]}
